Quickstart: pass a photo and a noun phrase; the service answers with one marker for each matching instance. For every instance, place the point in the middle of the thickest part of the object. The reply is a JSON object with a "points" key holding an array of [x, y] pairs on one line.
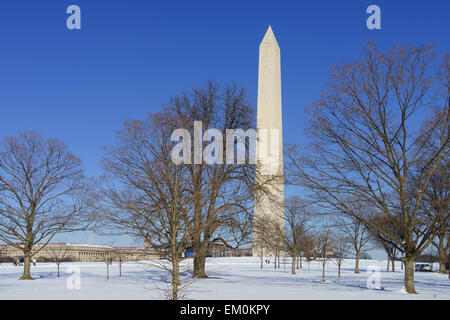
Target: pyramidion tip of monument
{"points": [[269, 38]]}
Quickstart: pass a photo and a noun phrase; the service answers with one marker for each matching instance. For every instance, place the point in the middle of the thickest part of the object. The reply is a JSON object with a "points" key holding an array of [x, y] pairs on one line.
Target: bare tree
{"points": [[58, 254], [366, 141], [341, 248], [108, 258], [324, 247], [381, 240], [443, 245], [297, 218], [276, 240], [269, 238], [144, 193], [120, 256], [261, 243], [41, 189], [308, 247], [355, 232], [435, 205], [222, 194]]}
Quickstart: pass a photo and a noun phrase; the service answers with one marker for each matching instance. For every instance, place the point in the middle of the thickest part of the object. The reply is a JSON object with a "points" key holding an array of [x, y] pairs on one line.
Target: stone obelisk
{"points": [[269, 194]]}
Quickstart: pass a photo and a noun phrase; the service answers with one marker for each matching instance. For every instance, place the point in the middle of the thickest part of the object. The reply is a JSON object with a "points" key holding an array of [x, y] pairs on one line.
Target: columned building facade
{"points": [[81, 253]]}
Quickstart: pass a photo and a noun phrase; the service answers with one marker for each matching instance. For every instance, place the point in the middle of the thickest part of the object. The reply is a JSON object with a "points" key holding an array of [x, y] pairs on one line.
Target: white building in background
{"points": [[80, 253]]}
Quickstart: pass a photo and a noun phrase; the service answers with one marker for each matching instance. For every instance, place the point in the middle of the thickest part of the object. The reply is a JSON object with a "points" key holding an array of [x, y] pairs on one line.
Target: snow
{"points": [[230, 279]]}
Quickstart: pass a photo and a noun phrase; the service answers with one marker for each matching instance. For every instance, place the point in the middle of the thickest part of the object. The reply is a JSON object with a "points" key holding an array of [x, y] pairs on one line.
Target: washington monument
{"points": [[269, 201]]}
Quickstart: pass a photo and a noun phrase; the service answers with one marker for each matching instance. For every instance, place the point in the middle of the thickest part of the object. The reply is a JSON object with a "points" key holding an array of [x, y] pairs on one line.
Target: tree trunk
{"points": [[200, 261], [388, 262], [107, 270], [293, 262], [199, 247], [448, 253], [323, 270], [26, 266], [358, 254], [58, 269], [120, 268], [448, 257], [339, 270], [262, 262], [393, 264], [409, 275], [175, 278], [442, 255]]}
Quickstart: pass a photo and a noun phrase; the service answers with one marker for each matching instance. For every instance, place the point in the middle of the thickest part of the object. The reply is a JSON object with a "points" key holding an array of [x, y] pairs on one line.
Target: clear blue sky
{"points": [[131, 55]]}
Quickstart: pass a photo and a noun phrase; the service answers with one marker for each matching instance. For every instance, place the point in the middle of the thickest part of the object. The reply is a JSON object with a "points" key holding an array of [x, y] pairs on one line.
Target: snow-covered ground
{"points": [[230, 278]]}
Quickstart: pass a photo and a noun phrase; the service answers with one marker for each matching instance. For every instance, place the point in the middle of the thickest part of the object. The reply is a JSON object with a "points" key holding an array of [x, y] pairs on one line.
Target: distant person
{"points": [[446, 266], [21, 261], [34, 262]]}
